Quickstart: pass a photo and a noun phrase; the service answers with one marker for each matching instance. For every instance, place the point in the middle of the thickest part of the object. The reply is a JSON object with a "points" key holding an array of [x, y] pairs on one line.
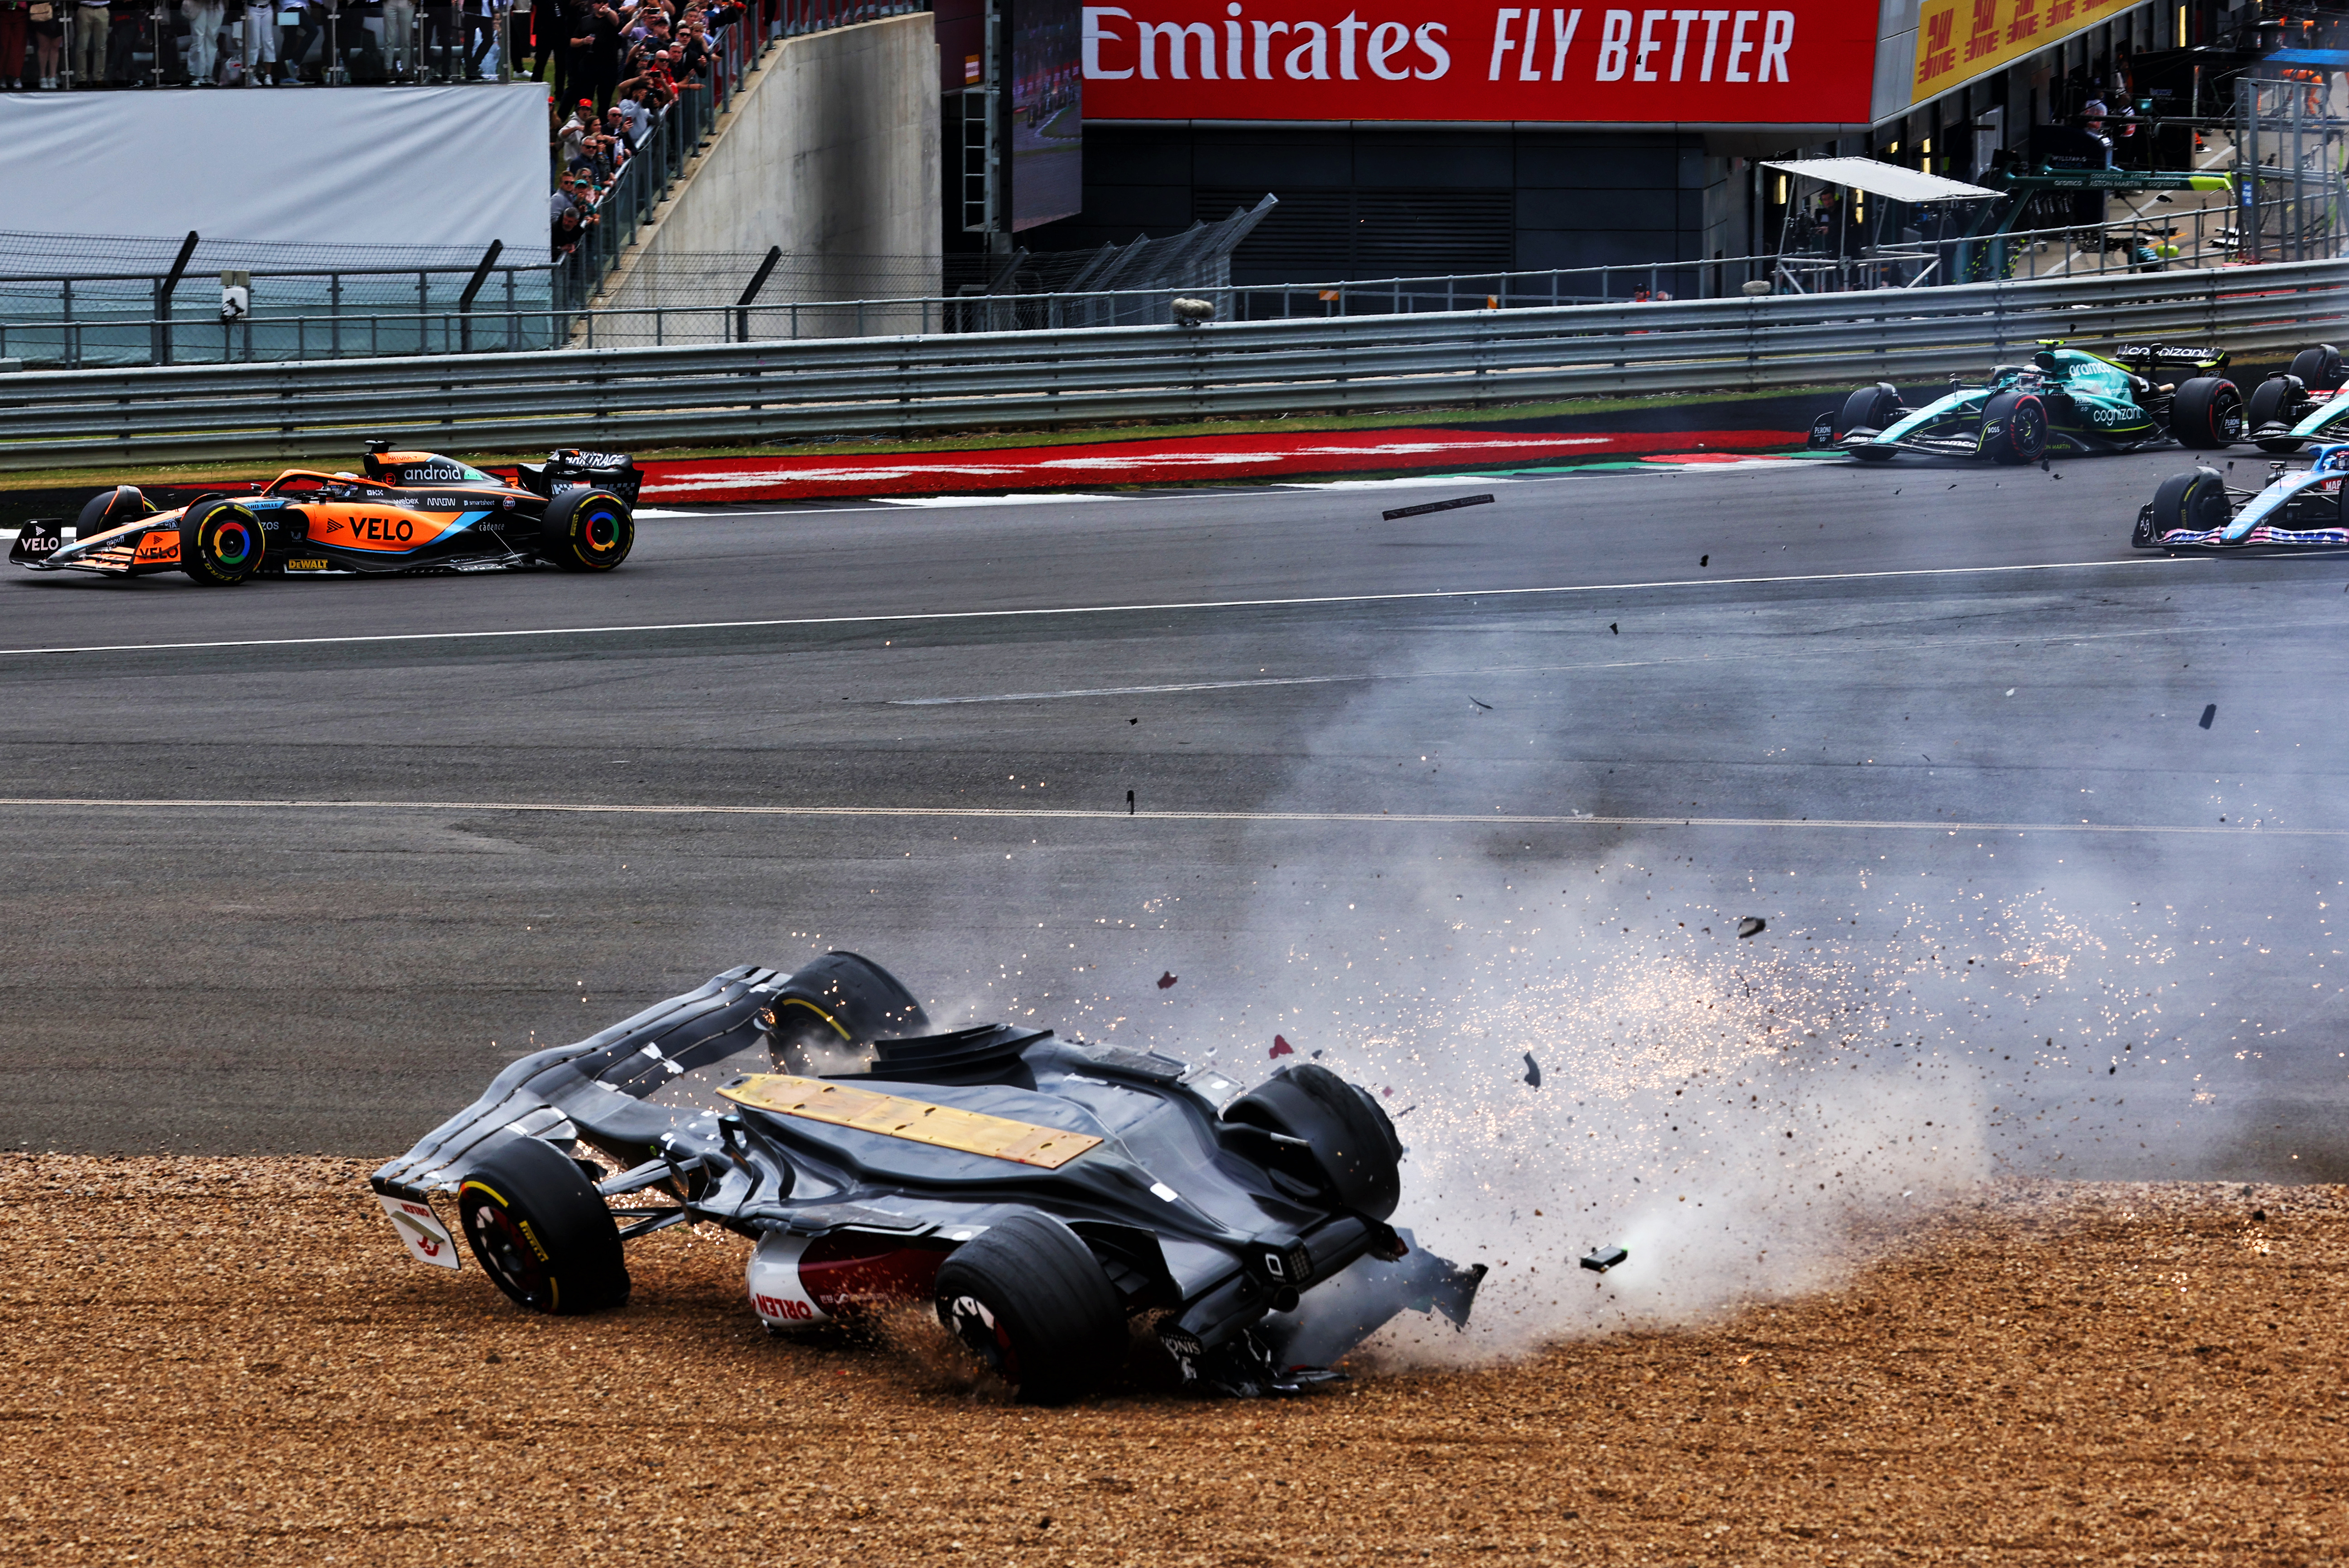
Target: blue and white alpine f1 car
{"points": [[2301, 509], [1038, 1192]]}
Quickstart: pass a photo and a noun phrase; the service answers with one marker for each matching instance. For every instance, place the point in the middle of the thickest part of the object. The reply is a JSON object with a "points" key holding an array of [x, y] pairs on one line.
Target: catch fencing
{"points": [[634, 398]]}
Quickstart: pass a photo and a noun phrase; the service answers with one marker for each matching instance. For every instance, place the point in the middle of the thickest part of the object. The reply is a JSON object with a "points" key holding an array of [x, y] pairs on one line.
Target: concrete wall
{"points": [[831, 152]]}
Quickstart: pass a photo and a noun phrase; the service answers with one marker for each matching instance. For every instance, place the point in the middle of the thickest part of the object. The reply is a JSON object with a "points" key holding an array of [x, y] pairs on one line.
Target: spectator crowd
{"points": [[619, 65]]}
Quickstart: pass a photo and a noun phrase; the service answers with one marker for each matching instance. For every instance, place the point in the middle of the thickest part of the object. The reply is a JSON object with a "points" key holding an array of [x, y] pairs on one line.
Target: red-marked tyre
{"points": [[587, 531], [2206, 414], [1031, 1301], [2014, 428], [221, 543]]}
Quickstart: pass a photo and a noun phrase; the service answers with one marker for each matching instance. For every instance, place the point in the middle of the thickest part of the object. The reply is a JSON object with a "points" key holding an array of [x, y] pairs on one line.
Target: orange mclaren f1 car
{"points": [[410, 512]]}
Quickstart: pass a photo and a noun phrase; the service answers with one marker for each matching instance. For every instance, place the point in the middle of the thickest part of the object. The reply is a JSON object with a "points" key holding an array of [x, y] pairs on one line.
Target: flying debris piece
{"points": [[1281, 1047], [1128, 803], [1404, 1112], [2209, 713], [1604, 1259], [1165, 979], [1533, 1071], [1704, 560], [1388, 1093], [1752, 926], [1615, 629], [1424, 507], [1317, 1056], [1486, 706]]}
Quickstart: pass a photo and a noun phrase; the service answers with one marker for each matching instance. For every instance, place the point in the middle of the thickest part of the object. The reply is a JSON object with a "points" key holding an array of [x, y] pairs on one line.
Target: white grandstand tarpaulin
{"points": [[1889, 181], [452, 167]]}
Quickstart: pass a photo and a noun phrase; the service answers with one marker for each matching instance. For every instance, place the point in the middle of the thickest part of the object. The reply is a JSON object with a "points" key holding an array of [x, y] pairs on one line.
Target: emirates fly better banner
{"points": [[1809, 63]]}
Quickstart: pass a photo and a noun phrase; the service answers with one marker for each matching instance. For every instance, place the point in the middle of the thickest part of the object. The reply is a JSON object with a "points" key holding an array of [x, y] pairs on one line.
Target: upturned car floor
{"points": [[217, 1361]]}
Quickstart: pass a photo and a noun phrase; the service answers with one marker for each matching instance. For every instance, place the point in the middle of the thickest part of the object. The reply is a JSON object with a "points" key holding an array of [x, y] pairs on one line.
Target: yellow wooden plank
{"points": [[916, 1121]]}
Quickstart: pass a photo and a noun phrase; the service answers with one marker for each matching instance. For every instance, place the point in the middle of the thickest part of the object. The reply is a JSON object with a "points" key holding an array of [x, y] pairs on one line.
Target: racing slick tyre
{"points": [[1868, 409], [541, 1231], [1029, 1297], [1353, 1157], [2206, 414], [587, 531], [2014, 428], [2197, 501], [221, 543], [826, 1018], [2278, 400], [2319, 369], [110, 509]]}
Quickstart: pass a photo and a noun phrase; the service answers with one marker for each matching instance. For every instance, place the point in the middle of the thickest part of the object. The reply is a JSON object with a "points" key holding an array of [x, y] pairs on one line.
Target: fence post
{"points": [[171, 283]]}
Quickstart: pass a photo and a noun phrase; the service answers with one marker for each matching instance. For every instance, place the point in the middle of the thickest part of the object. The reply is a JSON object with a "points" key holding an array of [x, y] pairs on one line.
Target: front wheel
{"points": [[587, 531], [1029, 1297], [541, 1231], [1342, 1148], [221, 543], [2206, 414], [1869, 408], [2014, 428], [2276, 406], [2195, 502]]}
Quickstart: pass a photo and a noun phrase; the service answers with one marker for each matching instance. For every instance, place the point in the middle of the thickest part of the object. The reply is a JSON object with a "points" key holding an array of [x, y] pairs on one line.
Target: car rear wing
{"points": [[569, 468], [2172, 355]]}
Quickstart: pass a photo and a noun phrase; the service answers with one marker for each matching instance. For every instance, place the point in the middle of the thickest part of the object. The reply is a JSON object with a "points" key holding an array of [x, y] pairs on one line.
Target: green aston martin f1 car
{"points": [[2066, 402]]}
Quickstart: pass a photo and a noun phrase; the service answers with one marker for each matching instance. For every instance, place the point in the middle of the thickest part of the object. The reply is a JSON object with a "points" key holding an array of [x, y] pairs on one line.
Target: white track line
{"points": [[908, 617], [1023, 813]]}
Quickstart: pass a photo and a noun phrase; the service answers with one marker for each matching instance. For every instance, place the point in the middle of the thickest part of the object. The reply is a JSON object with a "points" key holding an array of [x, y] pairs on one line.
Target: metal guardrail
{"points": [[636, 397]]}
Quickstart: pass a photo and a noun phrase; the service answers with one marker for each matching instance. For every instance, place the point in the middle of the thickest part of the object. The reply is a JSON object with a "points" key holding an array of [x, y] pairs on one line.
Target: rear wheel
{"points": [[221, 543], [587, 531], [2206, 414], [2276, 402], [2196, 501], [1029, 1297], [1869, 408], [1353, 1159], [2319, 369], [541, 1231], [2014, 428]]}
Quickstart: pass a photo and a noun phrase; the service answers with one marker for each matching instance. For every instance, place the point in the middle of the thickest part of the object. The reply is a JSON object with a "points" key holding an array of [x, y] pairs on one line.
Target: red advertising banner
{"points": [[1810, 63]]}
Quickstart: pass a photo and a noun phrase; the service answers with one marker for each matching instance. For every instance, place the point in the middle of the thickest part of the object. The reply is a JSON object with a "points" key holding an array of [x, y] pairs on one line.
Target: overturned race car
{"points": [[2066, 402], [2299, 509], [1038, 1192], [410, 512]]}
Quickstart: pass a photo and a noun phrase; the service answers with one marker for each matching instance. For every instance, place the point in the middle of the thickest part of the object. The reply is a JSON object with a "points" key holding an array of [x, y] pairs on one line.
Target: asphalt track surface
{"points": [[296, 867]]}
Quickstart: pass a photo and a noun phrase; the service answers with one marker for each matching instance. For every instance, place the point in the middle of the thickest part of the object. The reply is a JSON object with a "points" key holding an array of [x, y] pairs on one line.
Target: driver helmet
{"points": [[2332, 459]]}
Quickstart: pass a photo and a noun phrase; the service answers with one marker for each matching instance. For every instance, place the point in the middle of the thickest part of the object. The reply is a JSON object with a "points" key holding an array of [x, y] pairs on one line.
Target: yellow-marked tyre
{"points": [[587, 531], [221, 543], [541, 1231]]}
